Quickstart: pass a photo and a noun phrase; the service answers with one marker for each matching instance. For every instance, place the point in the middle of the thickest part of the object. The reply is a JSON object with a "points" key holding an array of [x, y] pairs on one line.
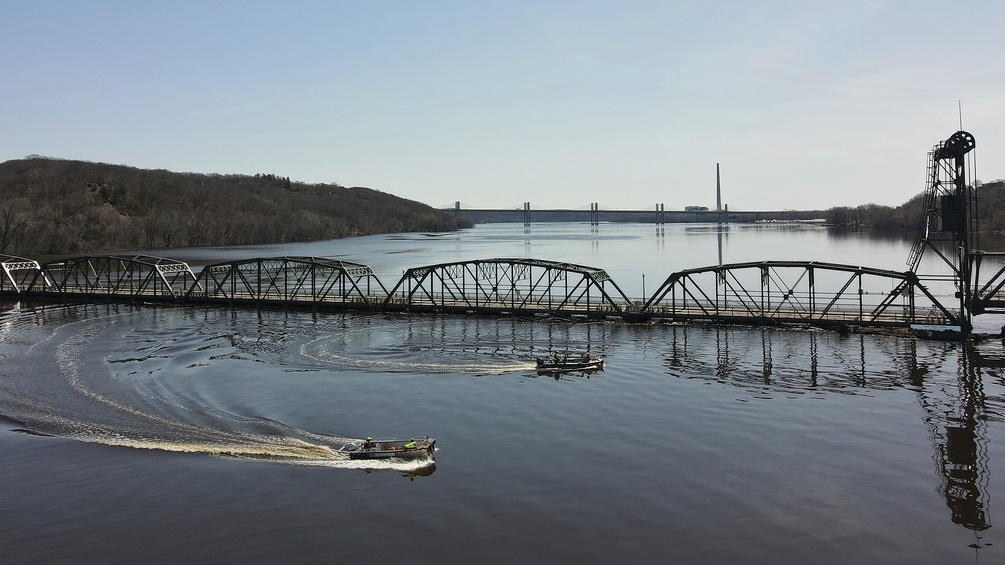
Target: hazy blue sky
{"points": [[805, 104]]}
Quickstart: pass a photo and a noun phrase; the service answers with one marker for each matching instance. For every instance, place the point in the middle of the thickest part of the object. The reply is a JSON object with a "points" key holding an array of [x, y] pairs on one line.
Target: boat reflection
{"points": [[410, 474], [420, 472]]}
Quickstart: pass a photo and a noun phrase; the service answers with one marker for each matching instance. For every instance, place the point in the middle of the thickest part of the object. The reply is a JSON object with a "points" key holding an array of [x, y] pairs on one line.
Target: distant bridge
{"points": [[771, 292], [659, 215]]}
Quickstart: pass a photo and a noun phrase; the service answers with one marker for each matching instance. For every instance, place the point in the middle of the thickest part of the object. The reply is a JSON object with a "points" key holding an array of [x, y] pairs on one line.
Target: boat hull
{"points": [[567, 366], [394, 450]]}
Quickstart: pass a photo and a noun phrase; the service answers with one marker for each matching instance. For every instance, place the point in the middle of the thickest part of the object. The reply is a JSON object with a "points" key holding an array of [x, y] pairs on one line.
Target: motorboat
{"points": [[391, 448], [559, 363]]}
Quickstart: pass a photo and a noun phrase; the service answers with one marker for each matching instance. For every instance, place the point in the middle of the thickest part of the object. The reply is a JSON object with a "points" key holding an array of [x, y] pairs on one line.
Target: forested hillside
{"points": [[907, 216], [54, 206]]}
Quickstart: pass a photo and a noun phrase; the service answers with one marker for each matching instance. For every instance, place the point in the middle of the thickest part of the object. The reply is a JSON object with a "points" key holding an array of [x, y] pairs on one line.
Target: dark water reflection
{"points": [[957, 412], [695, 445]]}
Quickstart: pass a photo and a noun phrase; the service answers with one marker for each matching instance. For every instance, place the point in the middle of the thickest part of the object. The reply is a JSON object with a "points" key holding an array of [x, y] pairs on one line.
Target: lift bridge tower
{"points": [[949, 224]]}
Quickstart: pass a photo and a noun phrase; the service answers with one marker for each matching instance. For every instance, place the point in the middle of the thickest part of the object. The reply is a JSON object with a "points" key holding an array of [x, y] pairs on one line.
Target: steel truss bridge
{"points": [[106, 276], [527, 286], [798, 292], [289, 281], [808, 292], [18, 274]]}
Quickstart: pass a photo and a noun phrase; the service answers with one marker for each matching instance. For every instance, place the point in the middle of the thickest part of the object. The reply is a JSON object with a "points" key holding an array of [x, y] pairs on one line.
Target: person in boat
{"points": [[410, 444], [368, 444]]}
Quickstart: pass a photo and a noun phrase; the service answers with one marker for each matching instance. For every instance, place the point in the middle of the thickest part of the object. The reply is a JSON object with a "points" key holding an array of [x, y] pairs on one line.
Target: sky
{"points": [[803, 104]]}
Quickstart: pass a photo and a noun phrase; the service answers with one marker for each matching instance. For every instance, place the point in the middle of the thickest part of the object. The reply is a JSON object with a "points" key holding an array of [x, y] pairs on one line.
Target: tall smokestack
{"points": [[718, 190]]}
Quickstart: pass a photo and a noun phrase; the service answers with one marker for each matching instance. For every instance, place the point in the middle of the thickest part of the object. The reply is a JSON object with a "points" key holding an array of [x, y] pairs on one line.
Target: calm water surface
{"points": [[193, 435]]}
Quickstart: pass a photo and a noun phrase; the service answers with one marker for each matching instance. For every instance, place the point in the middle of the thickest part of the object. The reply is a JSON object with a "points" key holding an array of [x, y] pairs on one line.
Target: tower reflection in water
{"points": [[957, 409]]}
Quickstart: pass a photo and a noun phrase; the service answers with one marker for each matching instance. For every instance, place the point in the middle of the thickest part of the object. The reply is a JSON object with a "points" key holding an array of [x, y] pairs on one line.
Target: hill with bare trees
{"points": [[56, 206], [907, 217]]}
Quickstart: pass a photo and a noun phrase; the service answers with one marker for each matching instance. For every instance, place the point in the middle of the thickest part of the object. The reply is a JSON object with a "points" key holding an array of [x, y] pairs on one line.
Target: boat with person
{"points": [[565, 363], [391, 448]]}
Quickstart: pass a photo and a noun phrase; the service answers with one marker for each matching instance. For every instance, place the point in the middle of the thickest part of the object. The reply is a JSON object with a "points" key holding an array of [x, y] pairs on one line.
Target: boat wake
{"points": [[107, 375], [380, 349], [479, 368]]}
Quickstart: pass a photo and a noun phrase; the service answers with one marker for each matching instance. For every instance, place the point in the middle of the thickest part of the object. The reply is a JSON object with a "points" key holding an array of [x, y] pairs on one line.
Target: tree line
{"points": [[56, 207], [908, 216]]}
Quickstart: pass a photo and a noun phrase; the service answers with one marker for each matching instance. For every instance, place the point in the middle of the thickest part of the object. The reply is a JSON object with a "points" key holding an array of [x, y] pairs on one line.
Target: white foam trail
{"points": [[317, 350], [406, 366]]}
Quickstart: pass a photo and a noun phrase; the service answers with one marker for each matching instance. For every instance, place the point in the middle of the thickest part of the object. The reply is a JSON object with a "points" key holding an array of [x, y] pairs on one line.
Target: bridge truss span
{"points": [[310, 281], [116, 276], [528, 286], [18, 274], [813, 293]]}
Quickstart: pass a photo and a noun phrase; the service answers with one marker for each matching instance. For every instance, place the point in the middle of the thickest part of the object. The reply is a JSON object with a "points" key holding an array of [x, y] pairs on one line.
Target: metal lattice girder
{"points": [[797, 291], [291, 280], [18, 273], [137, 276], [529, 285], [989, 296]]}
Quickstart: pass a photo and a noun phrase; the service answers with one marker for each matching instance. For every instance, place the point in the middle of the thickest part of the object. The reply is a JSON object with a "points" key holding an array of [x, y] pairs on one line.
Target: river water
{"points": [[171, 434]]}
